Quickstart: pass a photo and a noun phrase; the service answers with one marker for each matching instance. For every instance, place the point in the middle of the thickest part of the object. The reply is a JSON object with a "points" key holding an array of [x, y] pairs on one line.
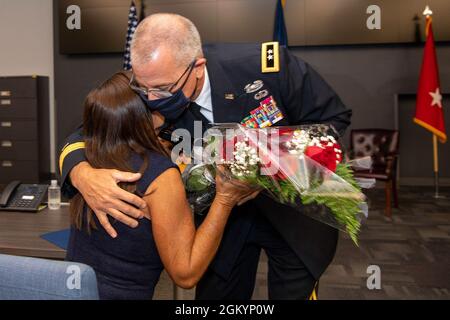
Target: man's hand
{"points": [[102, 194]]}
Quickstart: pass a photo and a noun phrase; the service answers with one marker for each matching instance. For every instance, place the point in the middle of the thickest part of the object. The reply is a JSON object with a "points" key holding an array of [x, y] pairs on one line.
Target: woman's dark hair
{"points": [[116, 123]]}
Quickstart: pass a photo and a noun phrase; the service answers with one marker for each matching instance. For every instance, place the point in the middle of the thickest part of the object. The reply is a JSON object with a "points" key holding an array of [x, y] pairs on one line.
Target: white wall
{"points": [[26, 46]]}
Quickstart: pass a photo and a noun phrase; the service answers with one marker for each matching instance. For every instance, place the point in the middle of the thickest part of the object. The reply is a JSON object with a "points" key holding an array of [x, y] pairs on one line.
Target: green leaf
{"points": [[345, 210]]}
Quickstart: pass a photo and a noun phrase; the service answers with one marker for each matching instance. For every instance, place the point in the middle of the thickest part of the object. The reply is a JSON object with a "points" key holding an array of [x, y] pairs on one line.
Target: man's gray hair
{"points": [[176, 32]]}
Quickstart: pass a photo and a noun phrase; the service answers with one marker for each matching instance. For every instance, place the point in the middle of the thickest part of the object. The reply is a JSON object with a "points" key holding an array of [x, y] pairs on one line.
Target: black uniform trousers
{"points": [[288, 278]]}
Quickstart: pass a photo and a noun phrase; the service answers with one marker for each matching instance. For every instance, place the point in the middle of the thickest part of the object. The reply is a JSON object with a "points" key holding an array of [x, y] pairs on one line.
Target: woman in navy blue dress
{"points": [[119, 134]]}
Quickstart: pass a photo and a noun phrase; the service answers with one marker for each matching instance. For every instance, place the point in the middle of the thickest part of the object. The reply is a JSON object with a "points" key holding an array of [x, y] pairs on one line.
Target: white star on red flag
{"points": [[437, 98]]}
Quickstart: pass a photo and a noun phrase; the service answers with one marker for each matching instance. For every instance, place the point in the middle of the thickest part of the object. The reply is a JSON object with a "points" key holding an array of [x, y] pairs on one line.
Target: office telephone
{"points": [[22, 197]]}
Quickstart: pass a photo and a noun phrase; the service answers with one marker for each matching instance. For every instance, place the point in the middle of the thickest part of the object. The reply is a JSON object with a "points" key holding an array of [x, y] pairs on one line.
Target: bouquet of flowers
{"points": [[302, 166]]}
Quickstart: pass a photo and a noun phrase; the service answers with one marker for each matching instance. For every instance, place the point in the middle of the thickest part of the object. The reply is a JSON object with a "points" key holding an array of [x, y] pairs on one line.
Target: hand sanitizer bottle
{"points": [[54, 196]]}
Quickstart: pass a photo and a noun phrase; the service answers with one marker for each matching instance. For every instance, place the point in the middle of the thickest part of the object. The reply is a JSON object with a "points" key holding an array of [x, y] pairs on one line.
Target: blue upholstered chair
{"points": [[24, 278]]}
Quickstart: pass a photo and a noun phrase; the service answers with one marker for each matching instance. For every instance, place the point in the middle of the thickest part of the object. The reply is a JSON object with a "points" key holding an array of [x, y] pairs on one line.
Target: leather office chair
{"points": [[23, 278], [382, 146]]}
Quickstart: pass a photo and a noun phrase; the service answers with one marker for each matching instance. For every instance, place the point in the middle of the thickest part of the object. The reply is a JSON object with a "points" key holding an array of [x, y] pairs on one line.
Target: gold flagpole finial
{"points": [[427, 12]]}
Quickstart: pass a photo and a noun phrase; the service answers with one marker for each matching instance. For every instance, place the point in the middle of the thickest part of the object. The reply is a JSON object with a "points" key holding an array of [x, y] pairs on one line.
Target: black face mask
{"points": [[172, 107]]}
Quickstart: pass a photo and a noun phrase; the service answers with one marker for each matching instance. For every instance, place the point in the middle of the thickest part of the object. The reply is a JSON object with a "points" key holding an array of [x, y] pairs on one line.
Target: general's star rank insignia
{"points": [[270, 57]]}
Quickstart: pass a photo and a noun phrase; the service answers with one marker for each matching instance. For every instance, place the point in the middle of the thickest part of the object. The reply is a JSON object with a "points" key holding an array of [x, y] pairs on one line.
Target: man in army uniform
{"points": [[181, 82]]}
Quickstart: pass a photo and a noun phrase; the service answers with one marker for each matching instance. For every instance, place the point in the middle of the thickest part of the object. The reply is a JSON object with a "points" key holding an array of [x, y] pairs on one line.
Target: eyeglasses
{"points": [[160, 93]]}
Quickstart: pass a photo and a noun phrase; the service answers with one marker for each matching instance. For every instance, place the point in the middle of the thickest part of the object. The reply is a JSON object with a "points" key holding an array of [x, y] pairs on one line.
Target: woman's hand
{"points": [[233, 192]]}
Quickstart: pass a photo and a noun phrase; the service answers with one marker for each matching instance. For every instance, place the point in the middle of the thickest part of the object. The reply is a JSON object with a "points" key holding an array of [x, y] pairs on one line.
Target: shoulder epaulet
{"points": [[270, 58]]}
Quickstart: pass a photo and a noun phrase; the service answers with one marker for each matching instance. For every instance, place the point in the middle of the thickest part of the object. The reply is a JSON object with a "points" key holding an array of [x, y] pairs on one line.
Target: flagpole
{"points": [[436, 167], [428, 14]]}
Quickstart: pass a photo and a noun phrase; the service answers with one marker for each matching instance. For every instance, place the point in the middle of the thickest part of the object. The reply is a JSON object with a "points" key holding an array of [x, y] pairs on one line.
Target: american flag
{"points": [[132, 24], [280, 33]]}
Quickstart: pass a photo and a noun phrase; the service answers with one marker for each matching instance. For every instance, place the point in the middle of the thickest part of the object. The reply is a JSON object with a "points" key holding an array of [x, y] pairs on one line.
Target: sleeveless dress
{"points": [[128, 267]]}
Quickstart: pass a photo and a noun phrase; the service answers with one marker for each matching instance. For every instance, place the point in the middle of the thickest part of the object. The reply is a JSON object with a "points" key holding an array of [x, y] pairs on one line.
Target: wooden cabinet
{"points": [[24, 129]]}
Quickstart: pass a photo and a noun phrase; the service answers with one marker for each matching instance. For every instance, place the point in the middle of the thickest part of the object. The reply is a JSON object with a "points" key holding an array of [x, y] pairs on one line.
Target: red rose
{"points": [[326, 156]]}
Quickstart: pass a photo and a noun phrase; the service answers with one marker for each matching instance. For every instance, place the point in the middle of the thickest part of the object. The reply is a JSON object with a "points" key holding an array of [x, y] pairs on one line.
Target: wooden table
{"points": [[20, 232], [20, 235]]}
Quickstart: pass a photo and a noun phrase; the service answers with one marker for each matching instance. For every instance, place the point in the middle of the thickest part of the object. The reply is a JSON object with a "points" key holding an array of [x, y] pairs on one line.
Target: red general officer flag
{"points": [[429, 109]]}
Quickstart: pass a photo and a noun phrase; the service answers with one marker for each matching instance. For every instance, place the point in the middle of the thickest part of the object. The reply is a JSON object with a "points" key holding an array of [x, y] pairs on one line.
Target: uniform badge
{"points": [[265, 115], [270, 58], [270, 108], [250, 122], [229, 96], [253, 87], [261, 117], [261, 94]]}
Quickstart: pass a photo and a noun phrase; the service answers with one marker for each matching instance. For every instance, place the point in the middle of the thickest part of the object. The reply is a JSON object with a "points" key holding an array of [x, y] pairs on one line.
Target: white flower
{"points": [[244, 159], [299, 142]]}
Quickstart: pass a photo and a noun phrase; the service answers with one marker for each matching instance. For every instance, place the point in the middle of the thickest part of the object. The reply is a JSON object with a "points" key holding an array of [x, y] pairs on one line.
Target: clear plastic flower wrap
{"points": [[300, 166]]}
